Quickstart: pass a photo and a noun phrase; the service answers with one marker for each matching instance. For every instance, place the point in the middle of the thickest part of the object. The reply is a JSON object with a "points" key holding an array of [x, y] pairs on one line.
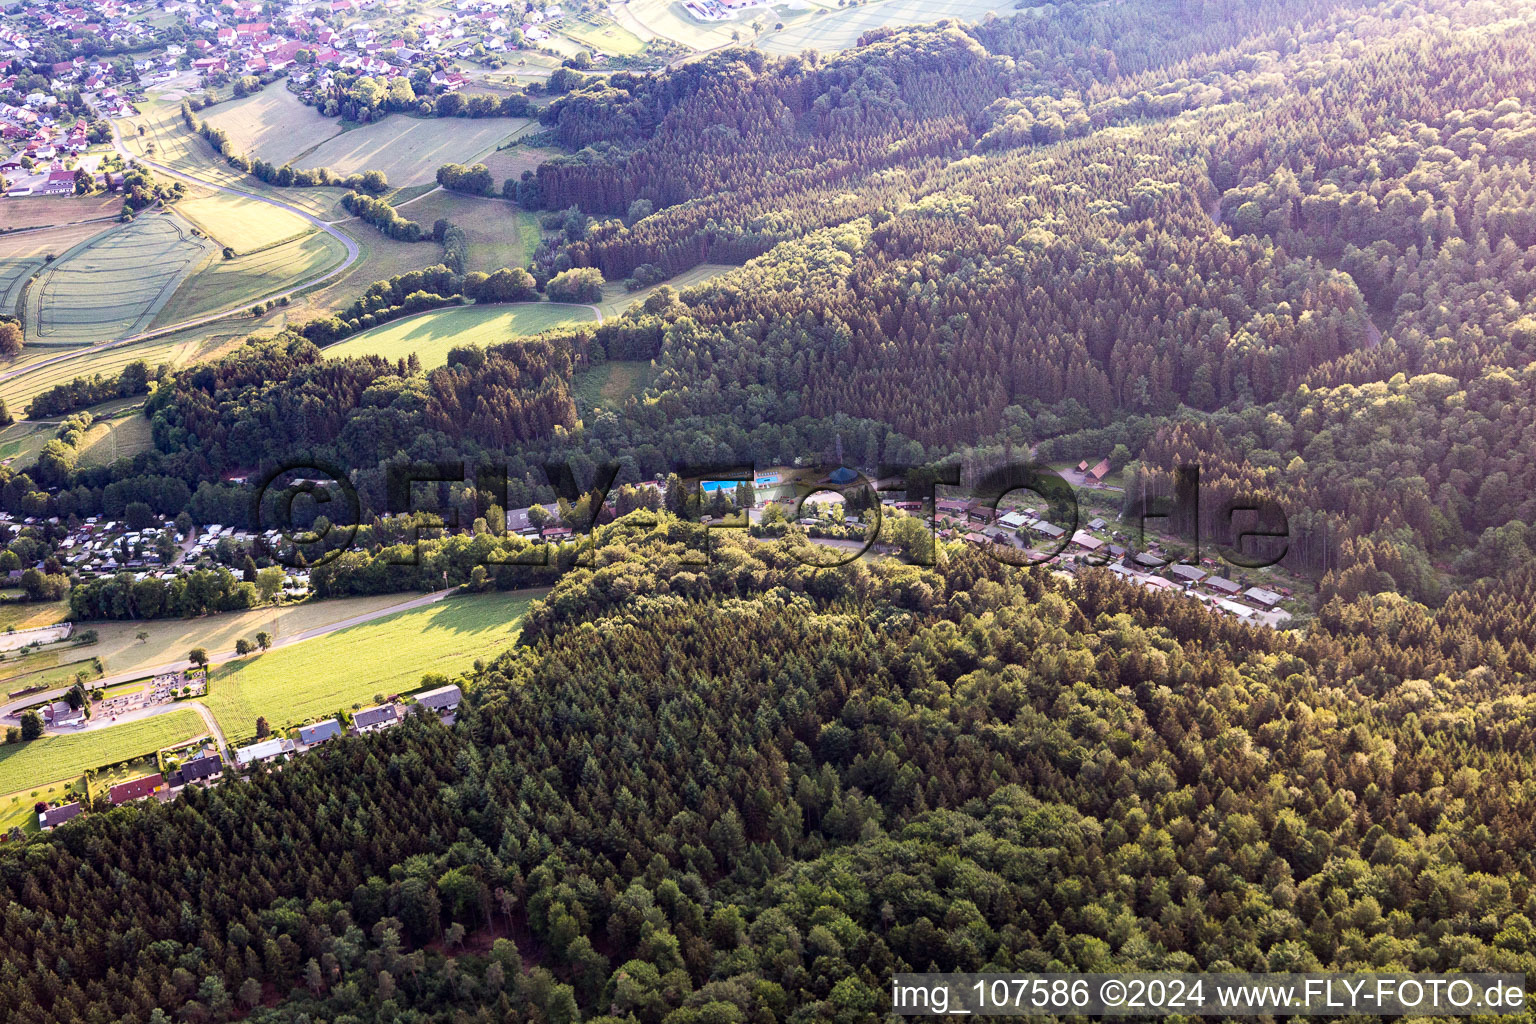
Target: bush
{"points": [[582, 284]]}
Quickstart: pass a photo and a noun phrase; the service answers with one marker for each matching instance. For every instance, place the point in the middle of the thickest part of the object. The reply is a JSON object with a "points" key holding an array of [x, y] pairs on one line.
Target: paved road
{"points": [[8, 710], [117, 142]]}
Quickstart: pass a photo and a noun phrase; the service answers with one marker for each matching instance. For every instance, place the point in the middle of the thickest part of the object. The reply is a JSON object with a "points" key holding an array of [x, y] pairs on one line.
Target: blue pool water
{"points": [[711, 486]]}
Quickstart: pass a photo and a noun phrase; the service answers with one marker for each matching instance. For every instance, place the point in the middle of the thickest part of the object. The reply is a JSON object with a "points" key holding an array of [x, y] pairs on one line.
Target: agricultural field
{"points": [[379, 259], [121, 437], [273, 125], [17, 810], [18, 391], [114, 285], [291, 685], [168, 141], [243, 225], [220, 283], [669, 20], [63, 757], [431, 335], [24, 253], [14, 274], [500, 234], [831, 30], [602, 34], [409, 150], [52, 211], [168, 640]]}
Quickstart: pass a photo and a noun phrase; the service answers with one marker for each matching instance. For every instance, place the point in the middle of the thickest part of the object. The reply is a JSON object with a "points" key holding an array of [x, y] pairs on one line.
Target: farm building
{"points": [[1189, 573], [53, 817], [136, 789], [1098, 472], [1267, 598], [319, 732], [1087, 541], [441, 700], [1224, 585], [374, 719]]}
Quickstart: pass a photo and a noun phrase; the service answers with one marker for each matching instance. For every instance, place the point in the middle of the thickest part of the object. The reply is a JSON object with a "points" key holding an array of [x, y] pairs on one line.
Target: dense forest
{"points": [[749, 791], [1292, 244]]}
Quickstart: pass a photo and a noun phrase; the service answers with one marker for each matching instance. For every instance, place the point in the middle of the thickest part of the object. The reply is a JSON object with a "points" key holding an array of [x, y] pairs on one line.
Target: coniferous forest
{"points": [[1293, 244]]}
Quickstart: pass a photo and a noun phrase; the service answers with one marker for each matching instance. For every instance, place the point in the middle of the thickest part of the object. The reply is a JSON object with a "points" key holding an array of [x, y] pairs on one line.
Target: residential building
{"points": [[266, 750], [136, 789], [442, 700], [53, 817], [319, 732], [374, 719]]}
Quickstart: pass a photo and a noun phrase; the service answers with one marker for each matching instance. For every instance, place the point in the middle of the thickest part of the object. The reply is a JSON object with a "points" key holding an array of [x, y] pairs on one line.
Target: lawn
{"points": [[222, 283], [16, 810], [499, 233], [409, 150], [169, 640], [114, 285], [119, 438], [431, 335], [62, 757], [291, 685], [273, 124], [243, 225]]}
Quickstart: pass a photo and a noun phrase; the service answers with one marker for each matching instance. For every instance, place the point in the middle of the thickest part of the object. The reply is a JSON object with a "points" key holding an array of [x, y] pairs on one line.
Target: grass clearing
{"points": [[514, 160], [602, 34], [28, 615], [273, 125], [169, 640], [243, 225], [500, 233], [409, 150], [113, 286], [291, 685], [431, 335], [610, 385], [119, 438], [62, 757], [14, 668], [616, 299], [21, 442], [378, 259], [18, 391], [220, 283], [52, 678]]}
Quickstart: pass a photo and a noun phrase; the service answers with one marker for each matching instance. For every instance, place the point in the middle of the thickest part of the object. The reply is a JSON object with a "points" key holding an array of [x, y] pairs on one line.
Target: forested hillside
{"points": [[750, 791]]}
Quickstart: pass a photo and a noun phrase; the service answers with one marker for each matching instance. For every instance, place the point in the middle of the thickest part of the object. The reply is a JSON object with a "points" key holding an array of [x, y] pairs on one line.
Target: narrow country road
{"points": [[342, 237]]}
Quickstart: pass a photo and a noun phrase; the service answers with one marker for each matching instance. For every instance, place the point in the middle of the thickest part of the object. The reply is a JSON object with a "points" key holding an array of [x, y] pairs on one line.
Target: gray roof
{"points": [[374, 716], [202, 767], [1222, 584], [440, 698], [1189, 572], [320, 731], [58, 815]]}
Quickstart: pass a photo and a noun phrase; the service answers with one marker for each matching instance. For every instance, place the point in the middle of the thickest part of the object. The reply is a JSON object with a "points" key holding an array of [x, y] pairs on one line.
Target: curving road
{"points": [[342, 237]]}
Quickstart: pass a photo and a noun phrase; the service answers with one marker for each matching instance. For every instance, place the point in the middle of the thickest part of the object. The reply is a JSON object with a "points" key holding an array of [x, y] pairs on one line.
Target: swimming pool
{"points": [[711, 486]]}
